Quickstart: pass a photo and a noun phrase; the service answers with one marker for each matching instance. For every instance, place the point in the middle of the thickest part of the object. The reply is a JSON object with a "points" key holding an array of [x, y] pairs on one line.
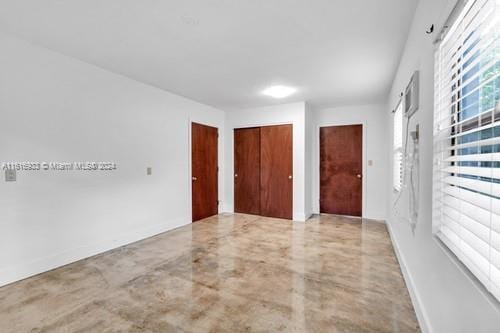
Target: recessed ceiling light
{"points": [[279, 91]]}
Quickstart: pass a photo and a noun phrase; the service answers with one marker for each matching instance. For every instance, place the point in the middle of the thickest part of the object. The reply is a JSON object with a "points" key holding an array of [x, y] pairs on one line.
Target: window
{"points": [[466, 193], [398, 148]]}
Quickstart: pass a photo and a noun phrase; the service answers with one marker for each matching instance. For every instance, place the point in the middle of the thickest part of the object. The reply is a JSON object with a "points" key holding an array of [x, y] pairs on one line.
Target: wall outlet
{"points": [[10, 175], [149, 171]]}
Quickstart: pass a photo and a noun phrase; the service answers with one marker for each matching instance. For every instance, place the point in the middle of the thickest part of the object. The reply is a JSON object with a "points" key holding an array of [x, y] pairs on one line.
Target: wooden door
{"points": [[204, 171], [247, 170], [276, 171], [341, 155]]}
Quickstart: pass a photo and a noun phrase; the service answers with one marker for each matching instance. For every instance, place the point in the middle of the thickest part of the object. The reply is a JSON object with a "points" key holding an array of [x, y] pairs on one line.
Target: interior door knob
{"points": [[235, 175], [194, 178], [358, 175], [290, 177]]}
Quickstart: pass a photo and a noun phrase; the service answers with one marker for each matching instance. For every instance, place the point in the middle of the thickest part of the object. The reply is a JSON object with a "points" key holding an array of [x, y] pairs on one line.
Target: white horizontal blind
{"points": [[466, 193], [398, 148]]}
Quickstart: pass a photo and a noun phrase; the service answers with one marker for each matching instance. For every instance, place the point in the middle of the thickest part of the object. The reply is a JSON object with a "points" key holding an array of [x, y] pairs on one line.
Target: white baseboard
{"points": [[226, 209], [416, 300], [376, 218], [300, 216], [40, 265], [297, 217]]}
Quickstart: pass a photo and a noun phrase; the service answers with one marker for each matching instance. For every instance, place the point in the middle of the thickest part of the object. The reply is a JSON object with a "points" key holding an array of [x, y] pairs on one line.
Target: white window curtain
{"points": [[466, 193], [398, 148]]}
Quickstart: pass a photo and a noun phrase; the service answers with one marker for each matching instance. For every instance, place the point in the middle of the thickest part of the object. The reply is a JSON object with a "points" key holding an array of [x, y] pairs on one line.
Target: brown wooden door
{"points": [[204, 171], [341, 154], [247, 170], [276, 171]]}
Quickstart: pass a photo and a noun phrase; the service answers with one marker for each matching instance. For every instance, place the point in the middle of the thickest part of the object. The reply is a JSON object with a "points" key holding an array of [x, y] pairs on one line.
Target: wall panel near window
{"points": [[397, 177], [466, 193]]}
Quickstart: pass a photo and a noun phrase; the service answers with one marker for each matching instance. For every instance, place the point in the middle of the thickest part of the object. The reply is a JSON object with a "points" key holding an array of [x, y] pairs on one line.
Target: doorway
{"points": [[263, 171], [204, 171], [341, 165]]}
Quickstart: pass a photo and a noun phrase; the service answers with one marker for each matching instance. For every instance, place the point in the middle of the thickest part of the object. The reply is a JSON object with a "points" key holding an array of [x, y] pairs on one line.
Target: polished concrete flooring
{"points": [[229, 273]]}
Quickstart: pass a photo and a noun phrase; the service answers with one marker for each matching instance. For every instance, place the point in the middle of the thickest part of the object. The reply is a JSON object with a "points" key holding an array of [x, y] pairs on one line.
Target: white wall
{"points": [[309, 157], [55, 108], [446, 297], [273, 115], [375, 143]]}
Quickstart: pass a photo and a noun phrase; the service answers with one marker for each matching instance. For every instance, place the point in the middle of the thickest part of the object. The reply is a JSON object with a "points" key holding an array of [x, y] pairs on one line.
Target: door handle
{"points": [[235, 175], [358, 175], [194, 178], [290, 177]]}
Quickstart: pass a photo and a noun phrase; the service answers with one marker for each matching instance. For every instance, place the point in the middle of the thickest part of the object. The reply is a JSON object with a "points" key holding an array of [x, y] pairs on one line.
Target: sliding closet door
{"points": [[276, 171], [247, 170]]}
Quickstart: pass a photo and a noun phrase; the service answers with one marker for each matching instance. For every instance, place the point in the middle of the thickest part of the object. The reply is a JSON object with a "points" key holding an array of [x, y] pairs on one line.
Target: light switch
{"points": [[149, 171], [10, 175], [370, 162]]}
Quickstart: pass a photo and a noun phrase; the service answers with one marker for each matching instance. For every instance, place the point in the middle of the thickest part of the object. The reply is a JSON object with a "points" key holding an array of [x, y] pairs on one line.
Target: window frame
{"points": [[466, 196]]}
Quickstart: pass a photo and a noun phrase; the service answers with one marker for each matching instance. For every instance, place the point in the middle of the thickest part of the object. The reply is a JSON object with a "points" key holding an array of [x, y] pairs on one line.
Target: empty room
{"points": [[250, 166]]}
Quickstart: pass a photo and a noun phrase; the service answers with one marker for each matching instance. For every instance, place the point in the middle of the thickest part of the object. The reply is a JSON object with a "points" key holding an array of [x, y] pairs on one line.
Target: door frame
{"points": [[317, 169], [192, 120]]}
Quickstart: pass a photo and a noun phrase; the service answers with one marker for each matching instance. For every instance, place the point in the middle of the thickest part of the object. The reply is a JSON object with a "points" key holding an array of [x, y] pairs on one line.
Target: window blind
{"points": [[466, 187], [398, 148]]}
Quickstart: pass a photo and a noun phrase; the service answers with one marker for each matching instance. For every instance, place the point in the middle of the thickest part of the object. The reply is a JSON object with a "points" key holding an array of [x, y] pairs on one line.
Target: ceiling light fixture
{"points": [[279, 91]]}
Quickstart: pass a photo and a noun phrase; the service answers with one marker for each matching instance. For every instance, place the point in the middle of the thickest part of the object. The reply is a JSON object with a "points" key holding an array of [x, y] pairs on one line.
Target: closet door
{"points": [[276, 175], [247, 170]]}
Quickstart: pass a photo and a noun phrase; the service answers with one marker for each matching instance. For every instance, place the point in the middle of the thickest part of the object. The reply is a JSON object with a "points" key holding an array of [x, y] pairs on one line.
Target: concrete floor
{"points": [[229, 273]]}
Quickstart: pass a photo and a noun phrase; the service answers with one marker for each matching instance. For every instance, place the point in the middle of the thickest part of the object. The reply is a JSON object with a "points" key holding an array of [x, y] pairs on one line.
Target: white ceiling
{"points": [[225, 52]]}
